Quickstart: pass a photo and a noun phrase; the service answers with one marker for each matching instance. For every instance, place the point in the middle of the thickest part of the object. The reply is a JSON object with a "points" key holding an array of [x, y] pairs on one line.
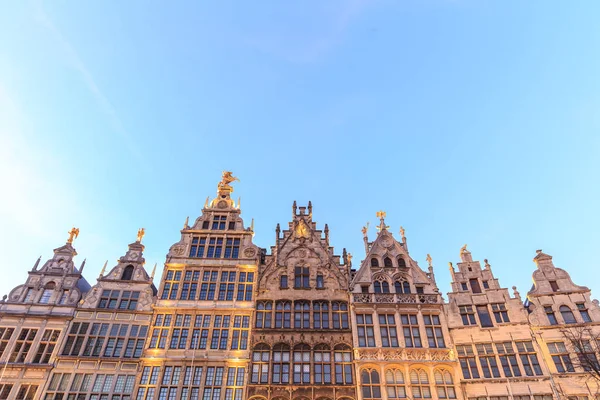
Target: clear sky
{"points": [[467, 121]]}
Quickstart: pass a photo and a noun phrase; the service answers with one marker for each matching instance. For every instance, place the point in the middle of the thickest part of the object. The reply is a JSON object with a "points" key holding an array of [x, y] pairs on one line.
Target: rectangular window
{"points": [[484, 316], [475, 288], [5, 335], [466, 357], [366, 336], [500, 312], [26, 392], [464, 286], [529, 358], [584, 312], [561, 357], [433, 327], [283, 282], [550, 314], [554, 286], [508, 359], [46, 346], [320, 284], [198, 246], [22, 345], [487, 360], [219, 222], [5, 389], [387, 328], [301, 278], [486, 285], [410, 327], [467, 315]]}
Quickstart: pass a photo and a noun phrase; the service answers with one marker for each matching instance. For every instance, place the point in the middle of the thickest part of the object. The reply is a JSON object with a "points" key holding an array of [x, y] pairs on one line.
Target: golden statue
{"points": [[381, 214], [365, 229], [141, 233], [73, 233], [402, 232], [464, 249], [302, 230], [429, 260], [226, 179]]}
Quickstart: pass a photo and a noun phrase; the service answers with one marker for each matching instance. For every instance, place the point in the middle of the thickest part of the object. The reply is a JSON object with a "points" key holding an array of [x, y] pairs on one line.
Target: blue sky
{"points": [[467, 121]]}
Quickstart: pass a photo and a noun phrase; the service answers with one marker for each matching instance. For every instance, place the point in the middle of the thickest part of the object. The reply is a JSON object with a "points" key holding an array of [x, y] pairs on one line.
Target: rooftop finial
{"points": [[309, 209], [206, 202], [153, 272], [294, 209], [103, 269], [365, 229], [73, 233], [463, 249], [226, 179], [252, 225], [82, 265], [239, 202], [381, 216], [140, 235], [429, 260], [402, 234], [186, 224]]}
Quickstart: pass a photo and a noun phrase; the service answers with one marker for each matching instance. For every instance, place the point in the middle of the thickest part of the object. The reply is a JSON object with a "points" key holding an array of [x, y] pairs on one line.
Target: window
{"points": [[213, 382], [487, 360], [444, 384], [301, 278], [586, 355], [171, 285], [215, 248], [410, 327], [264, 310], [370, 384], [529, 359], [320, 283], [583, 312], [235, 383], [500, 312], [387, 328], [467, 315], [46, 346], [401, 262], [239, 339], [5, 335], [22, 345], [402, 286], [508, 359], [433, 327], [466, 357], [302, 314], [134, 347], [198, 245], [486, 285], [5, 389], [381, 286], [26, 392], [464, 286], [475, 288], [366, 336], [554, 286], [419, 383], [127, 273], [387, 262], [343, 364], [245, 284], [28, 296], [232, 248], [219, 222], [281, 364], [95, 341], [209, 285], [420, 289], [47, 293], [320, 315], [260, 364], [567, 315], [283, 282], [322, 364], [129, 300], [484, 316], [220, 332], [394, 384], [340, 315], [283, 311], [302, 364], [75, 338], [551, 316], [374, 262], [560, 356]]}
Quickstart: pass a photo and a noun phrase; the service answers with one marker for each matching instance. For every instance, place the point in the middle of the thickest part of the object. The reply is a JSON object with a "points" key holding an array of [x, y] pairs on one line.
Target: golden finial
{"points": [[186, 224], [239, 202], [73, 233], [153, 272], [365, 229], [140, 234], [381, 214], [429, 260], [226, 179], [463, 249], [206, 202], [402, 231], [103, 268]]}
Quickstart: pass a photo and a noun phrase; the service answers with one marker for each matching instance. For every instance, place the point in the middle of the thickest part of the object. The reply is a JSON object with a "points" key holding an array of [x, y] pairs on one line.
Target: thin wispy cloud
{"points": [[76, 62]]}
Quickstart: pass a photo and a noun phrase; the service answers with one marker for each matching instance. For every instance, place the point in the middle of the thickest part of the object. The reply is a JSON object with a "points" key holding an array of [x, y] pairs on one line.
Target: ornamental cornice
{"points": [[404, 354]]}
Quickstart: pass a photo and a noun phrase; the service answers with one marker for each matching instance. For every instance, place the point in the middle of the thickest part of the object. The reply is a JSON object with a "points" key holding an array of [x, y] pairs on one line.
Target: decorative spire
{"points": [[429, 260], [73, 233], [487, 264], [186, 223], [516, 293], [206, 202], [402, 231], [252, 225], [326, 234], [140, 235], [37, 263], [294, 208], [451, 267], [82, 266], [153, 272], [381, 216], [309, 209], [365, 229], [103, 269], [239, 202]]}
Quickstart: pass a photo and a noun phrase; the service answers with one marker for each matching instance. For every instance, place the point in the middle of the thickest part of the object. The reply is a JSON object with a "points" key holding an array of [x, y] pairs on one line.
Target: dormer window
{"points": [[127, 273], [401, 262], [475, 288], [205, 225], [374, 262], [47, 293], [219, 222], [387, 262], [554, 286], [301, 278]]}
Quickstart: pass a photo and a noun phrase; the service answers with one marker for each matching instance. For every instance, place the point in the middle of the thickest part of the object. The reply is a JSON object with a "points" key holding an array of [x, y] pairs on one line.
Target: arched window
{"points": [[444, 384], [47, 293], [381, 285], [281, 363], [283, 314], [302, 363], [370, 384], [401, 262], [420, 384], [260, 364], [302, 314], [387, 262], [402, 286], [394, 384], [343, 364], [340, 315], [567, 315], [127, 273], [321, 315], [322, 357], [264, 311], [374, 262]]}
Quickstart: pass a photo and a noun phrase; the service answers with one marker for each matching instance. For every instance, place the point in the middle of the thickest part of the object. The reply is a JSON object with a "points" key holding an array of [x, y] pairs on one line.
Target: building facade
{"points": [[232, 321]]}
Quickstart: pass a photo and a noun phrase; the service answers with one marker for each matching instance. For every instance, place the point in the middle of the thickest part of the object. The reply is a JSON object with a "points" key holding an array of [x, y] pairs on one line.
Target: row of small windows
{"points": [[567, 315], [302, 279], [301, 365], [325, 315], [499, 311], [106, 340], [388, 331], [117, 299], [25, 392], [585, 352], [400, 286], [475, 287], [46, 295], [215, 247], [396, 387], [387, 262], [187, 289], [494, 357], [219, 223], [21, 351], [98, 387]]}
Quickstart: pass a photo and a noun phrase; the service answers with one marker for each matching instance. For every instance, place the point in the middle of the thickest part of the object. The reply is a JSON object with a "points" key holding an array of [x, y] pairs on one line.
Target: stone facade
{"points": [[231, 321]]}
